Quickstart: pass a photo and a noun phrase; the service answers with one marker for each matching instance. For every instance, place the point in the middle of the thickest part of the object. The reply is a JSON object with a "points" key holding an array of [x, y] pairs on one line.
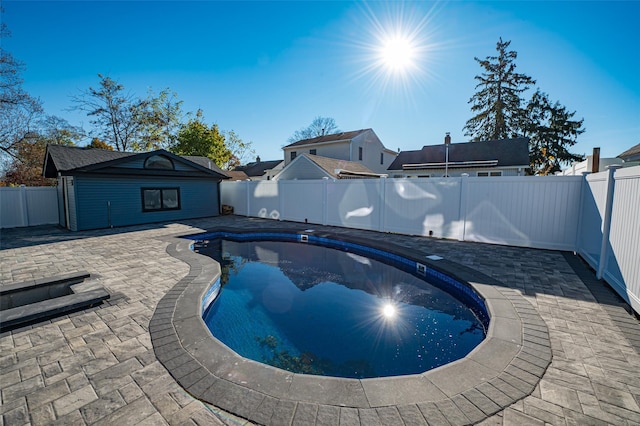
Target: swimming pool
{"points": [[312, 305]]}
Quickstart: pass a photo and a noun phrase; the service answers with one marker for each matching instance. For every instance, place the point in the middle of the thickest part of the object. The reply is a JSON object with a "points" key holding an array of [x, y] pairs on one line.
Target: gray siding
{"points": [[337, 150], [303, 168], [117, 201], [71, 202], [60, 191]]}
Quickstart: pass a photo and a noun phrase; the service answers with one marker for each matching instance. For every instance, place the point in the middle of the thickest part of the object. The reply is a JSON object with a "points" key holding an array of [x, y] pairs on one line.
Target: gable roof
{"points": [[257, 168], [343, 136], [236, 175], [632, 154], [340, 168], [61, 158], [496, 153]]}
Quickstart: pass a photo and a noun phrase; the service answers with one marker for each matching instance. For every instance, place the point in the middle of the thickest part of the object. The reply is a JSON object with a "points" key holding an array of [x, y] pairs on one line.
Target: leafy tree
{"points": [[120, 118], [320, 126], [197, 138], [241, 152], [26, 166], [19, 112], [551, 131], [98, 144], [497, 104], [163, 120]]}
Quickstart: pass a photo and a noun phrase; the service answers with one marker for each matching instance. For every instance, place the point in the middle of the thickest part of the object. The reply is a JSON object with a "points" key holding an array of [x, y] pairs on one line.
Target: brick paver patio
{"points": [[99, 366]]}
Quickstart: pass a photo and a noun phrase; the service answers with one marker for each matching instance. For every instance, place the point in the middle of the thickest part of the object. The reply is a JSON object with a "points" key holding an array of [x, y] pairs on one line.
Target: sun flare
{"points": [[397, 53], [389, 311]]}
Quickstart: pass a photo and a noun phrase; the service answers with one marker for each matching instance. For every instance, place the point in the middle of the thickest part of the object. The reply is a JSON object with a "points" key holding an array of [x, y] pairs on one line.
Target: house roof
{"points": [[496, 153], [61, 158], [632, 154], [340, 168], [257, 168], [236, 175], [343, 136]]}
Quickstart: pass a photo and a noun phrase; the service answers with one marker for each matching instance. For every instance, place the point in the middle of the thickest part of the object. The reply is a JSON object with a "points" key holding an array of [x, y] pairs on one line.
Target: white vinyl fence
{"points": [[518, 211], [597, 216], [609, 235], [28, 206], [556, 212]]}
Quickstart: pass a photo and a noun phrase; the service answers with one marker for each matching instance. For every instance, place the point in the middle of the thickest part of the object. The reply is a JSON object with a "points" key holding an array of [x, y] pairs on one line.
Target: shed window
{"points": [[158, 162], [155, 199]]}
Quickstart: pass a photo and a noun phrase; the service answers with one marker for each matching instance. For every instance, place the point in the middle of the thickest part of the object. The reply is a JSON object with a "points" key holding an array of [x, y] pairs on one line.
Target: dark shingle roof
{"points": [[236, 175], [329, 138], [258, 168], [507, 152], [632, 154], [62, 158], [204, 162]]}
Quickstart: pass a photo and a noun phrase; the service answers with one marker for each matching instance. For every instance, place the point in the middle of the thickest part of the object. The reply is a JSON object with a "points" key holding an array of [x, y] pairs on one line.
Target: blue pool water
{"points": [[329, 311]]}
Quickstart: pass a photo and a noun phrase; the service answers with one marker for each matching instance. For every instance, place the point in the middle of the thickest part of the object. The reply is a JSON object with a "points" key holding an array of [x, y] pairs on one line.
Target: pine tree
{"points": [[497, 104], [551, 131]]}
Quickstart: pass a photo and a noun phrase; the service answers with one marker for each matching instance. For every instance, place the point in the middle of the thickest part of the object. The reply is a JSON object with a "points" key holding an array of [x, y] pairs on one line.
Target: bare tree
{"points": [[320, 126], [19, 112], [119, 117]]}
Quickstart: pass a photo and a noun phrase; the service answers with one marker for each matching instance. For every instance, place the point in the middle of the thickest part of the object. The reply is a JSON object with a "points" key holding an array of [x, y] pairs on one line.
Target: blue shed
{"points": [[101, 189]]}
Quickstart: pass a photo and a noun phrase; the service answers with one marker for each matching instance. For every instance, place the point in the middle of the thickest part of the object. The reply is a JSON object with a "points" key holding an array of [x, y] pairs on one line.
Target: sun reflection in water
{"points": [[389, 311]]}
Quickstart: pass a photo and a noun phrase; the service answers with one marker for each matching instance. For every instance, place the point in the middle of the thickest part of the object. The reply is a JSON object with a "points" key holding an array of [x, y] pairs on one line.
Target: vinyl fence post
{"points": [[325, 200], [248, 197], [23, 206], [606, 221], [463, 205], [382, 203]]}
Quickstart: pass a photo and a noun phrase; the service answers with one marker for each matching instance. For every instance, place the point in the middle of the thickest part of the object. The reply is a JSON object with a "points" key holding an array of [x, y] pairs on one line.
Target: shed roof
{"points": [[500, 153], [62, 158], [342, 136]]}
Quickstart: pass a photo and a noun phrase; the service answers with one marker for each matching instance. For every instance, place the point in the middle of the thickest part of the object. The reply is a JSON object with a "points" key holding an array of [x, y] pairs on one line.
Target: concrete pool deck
{"points": [[99, 366]]}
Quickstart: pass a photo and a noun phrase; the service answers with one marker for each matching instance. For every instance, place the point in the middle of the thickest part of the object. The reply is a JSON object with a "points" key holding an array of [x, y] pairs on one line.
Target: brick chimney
{"points": [[258, 159], [447, 139]]}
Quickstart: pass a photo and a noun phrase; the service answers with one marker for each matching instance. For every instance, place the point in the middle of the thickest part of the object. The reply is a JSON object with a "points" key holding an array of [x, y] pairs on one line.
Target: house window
{"points": [[360, 153], [156, 199], [293, 155], [485, 174], [312, 151], [158, 162], [381, 158]]}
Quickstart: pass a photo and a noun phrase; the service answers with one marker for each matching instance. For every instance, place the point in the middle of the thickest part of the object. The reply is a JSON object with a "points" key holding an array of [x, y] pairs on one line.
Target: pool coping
{"points": [[501, 370]]}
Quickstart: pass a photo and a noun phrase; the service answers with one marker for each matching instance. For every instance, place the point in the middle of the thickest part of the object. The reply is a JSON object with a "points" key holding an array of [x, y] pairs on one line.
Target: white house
{"points": [[307, 166], [630, 157], [506, 157], [359, 146]]}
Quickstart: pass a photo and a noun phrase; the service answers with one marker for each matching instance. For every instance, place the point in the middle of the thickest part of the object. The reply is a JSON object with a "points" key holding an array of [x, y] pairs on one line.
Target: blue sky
{"points": [[265, 69]]}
